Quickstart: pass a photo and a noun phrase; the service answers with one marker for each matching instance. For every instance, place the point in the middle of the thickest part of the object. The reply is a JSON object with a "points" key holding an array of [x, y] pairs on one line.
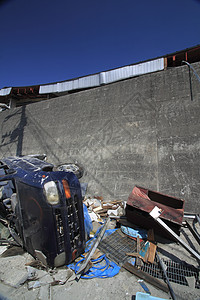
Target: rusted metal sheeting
{"points": [[140, 203]]}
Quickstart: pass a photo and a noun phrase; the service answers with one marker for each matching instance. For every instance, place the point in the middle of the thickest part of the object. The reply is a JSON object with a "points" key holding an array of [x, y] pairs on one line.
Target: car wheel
{"points": [[71, 167]]}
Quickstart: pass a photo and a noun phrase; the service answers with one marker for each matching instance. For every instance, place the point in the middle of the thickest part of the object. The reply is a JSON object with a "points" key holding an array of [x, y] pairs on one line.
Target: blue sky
{"points": [[45, 41]]}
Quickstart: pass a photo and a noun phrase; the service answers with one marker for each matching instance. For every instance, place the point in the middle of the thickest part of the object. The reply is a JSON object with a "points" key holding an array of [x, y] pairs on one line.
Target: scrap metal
{"points": [[176, 272], [140, 203], [194, 233], [117, 245], [85, 263], [166, 277], [155, 213]]}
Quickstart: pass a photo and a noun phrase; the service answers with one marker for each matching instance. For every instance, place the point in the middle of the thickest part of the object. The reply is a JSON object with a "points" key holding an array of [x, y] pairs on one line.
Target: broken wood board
{"points": [[145, 276], [151, 252]]}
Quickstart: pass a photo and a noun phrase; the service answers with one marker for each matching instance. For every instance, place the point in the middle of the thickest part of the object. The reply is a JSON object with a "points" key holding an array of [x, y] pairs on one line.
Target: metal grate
{"points": [[116, 245], [176, 272]]}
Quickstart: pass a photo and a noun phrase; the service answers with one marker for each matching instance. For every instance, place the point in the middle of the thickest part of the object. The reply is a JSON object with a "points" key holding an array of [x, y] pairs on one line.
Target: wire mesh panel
{"points": [[116, 245]]}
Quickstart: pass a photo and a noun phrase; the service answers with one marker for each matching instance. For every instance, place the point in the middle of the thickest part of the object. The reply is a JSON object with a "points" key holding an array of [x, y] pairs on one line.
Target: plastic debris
{"points": [[142, 233], [87, 220], [143, 285], [144, 296]]}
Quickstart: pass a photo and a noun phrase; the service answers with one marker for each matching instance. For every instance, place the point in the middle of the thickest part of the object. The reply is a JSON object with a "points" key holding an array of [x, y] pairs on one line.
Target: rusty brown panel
{"points": [[140, 203]]}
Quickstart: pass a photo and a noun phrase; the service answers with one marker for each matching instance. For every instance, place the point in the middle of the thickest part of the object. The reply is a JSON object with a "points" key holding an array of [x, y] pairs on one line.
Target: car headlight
{"points": [[51, 192]]}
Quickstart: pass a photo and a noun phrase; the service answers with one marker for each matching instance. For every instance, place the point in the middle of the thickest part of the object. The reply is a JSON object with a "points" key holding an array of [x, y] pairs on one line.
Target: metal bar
{"points": [[194, 233], [189, 215], [166, 278], [15, 236], [190, 78], [198, 219], [155, 213], [92, 250], [189, 65]]}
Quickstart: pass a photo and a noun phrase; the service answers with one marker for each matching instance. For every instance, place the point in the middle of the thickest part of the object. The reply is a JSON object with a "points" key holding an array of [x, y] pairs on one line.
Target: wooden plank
{"points": [[138, 261], [150, 235], [151, 252], [145, 276], [135, 254]]}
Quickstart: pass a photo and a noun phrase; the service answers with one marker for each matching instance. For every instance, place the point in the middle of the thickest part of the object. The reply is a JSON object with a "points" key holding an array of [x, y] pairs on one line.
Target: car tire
{"points": [[71, 167]]}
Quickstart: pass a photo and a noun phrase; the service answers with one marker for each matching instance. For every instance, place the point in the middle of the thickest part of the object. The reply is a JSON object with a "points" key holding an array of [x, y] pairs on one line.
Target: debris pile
{"points": [[98, 208], [150, 236], [146, 218]]}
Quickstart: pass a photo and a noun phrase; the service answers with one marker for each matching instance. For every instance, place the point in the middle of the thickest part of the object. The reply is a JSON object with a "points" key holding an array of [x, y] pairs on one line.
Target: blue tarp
{"points": [[87, 220], [102, 267]]}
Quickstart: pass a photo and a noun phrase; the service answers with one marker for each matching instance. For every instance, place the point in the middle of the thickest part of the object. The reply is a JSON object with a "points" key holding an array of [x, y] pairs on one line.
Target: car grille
{"points": [[73, 226], [60, 230], [73, 220]]}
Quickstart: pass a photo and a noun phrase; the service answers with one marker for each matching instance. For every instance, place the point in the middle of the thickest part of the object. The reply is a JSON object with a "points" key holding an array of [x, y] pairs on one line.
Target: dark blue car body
{"points": [[53, 233]]}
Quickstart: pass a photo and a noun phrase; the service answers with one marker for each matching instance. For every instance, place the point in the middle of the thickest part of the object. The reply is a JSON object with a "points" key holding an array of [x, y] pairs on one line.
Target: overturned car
{"points": [[42, 207]]}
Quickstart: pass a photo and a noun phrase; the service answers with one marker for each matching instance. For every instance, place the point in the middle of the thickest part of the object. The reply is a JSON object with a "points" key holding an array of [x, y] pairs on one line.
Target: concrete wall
{"points": [[142, 131]]}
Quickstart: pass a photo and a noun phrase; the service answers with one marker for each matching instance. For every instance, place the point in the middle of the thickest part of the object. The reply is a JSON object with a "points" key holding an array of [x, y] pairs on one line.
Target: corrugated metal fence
{"points": [[99, 79], [104, 77]]}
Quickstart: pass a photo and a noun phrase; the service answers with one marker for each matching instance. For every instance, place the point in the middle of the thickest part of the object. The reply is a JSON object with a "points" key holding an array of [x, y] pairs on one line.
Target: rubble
{"points": [[102, 209], [148, 252], [163, 265]]}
